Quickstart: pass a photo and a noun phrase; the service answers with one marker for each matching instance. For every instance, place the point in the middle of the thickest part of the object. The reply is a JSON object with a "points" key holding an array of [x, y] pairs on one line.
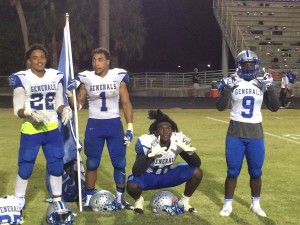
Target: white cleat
{"points": [[186, 205], [226, 210], [258, 210]]}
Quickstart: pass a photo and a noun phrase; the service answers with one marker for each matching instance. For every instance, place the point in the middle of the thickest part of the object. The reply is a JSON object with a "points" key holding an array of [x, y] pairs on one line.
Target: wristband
{"points": [[130, 126], [27, 111]]}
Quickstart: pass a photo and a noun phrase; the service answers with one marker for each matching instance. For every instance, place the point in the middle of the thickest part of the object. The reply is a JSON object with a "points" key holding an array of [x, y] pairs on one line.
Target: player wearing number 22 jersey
{"points": [[37, 99]]}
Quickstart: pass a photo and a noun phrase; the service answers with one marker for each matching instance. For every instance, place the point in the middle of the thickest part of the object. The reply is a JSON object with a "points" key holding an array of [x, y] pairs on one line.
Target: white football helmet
{"points": [[166, 203], [59, 213], [104, 202], [247, 73]]}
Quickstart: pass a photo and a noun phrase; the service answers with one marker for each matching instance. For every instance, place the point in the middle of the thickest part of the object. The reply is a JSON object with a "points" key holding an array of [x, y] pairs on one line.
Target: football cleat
{"points": [[139, 205], [226, 210], [258, 210], [187, 206], [125, 204]]}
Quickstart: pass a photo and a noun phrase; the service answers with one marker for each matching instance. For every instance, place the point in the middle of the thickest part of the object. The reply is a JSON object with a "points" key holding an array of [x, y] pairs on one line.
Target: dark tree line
{"points": [[24, 22]]}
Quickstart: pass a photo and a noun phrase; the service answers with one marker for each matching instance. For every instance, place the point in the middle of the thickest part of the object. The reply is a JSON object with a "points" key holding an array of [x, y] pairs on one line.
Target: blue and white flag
{"points": [[73, 179], [65, 65]]}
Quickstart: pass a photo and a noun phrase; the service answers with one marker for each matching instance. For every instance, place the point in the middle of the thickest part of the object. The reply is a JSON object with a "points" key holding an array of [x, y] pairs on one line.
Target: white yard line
{"points": [[267, 133]]}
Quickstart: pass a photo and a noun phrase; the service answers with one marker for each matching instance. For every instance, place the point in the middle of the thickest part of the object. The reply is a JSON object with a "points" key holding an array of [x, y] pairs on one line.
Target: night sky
{"points": [[180, 32]]}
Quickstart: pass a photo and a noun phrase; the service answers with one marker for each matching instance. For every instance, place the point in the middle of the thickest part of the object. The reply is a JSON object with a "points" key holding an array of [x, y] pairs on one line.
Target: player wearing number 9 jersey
{"points": [[37, 98], [104, 88], [246, 92]]}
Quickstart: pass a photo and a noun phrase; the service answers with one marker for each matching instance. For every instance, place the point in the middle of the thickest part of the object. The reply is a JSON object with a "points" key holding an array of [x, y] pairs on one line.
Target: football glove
{"points": [[156, 149], [267, 79], [129, 134], [263, 83], [73, 85], [233, 80], [184, 143], [37, 116], [66, 115]]}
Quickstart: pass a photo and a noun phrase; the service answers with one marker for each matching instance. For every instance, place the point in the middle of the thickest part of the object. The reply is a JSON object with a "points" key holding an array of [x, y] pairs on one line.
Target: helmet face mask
{"points": [[104, 202], [166, 203], [247, 65]]}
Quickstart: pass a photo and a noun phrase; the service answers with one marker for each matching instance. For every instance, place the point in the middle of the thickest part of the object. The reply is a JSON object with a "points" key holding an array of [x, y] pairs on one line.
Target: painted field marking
{"points": [[267, 133]]}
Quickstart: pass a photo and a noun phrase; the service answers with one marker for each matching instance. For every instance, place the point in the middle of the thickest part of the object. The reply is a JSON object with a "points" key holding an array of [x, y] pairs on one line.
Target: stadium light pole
{"points": [[104, 24]]}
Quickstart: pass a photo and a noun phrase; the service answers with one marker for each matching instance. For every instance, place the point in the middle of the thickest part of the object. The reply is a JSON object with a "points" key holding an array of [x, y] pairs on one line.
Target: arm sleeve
{"points": [[18, 99], [192, 160], [224, 99], [59, 98], [271, 99], [141, 164]]}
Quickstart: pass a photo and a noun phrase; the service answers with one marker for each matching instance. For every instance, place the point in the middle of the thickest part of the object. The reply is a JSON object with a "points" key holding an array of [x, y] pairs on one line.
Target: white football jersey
{"points": [[163, 163], [246, 103], [103, 92], [40, 91], [10, 210]]}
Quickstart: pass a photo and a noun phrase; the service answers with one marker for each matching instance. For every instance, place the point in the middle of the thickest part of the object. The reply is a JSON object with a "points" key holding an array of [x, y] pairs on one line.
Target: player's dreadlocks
{"points": [[160, 117]]}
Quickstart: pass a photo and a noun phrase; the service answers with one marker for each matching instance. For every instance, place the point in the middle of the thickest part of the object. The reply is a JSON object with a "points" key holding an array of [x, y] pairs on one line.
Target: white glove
{"points": [[185, 144], [37, 116], [264, 82], [267, 79], [233, 80], [156, 149], [66, 115], [129, 134]]}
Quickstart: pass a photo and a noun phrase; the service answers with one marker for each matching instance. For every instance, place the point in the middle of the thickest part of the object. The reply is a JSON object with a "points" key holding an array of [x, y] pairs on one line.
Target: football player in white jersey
{"points": [[10, 210], [156, 153], [104, 88], [37, 98], [246, 92]]}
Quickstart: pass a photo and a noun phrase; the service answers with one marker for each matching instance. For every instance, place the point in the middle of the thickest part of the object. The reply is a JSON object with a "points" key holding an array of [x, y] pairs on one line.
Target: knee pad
{"points": [[56, 168], [92, 164], [255, 173], [233, 173], [119, 164], [25, 170]]}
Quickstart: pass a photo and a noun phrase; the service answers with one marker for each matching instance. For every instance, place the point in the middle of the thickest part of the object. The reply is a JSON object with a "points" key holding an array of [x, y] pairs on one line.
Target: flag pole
{"points": [[69, 52]]}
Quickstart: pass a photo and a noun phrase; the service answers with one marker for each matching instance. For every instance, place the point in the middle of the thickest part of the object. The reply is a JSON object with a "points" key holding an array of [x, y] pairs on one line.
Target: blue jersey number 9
{"points": [[248, 103]]}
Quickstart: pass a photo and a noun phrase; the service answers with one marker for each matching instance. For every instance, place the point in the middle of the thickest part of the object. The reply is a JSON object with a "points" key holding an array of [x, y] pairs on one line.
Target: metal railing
{"points": [[170, 80]]}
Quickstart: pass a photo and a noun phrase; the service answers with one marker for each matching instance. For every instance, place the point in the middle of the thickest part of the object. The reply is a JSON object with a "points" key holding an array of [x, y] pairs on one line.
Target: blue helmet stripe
{"points": [[61, 205], [247, 54]]}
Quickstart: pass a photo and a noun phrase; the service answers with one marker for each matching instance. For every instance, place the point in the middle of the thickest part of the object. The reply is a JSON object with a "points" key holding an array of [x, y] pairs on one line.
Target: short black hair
{"points": [[35, 47], [159, 117], [101, 51]]}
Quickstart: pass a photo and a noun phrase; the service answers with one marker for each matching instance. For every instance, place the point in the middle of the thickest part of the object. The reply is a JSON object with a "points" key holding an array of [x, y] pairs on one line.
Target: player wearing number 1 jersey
{"points": [[104, 88], [37, 98], [246, 92]]}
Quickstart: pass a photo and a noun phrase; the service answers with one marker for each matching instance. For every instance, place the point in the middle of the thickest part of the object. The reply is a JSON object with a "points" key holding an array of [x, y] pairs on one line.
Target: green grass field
{"points": [[207, 128]]}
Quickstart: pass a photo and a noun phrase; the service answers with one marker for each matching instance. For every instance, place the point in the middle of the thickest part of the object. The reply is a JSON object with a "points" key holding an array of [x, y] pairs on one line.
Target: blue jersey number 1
{"points": [[103, 106]]}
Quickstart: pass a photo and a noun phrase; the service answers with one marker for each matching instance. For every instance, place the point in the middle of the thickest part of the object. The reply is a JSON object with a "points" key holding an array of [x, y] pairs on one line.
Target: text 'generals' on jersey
{"points": [[248, 91], [10, 208], [45, 87], [164, 160], [103, 87]]}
